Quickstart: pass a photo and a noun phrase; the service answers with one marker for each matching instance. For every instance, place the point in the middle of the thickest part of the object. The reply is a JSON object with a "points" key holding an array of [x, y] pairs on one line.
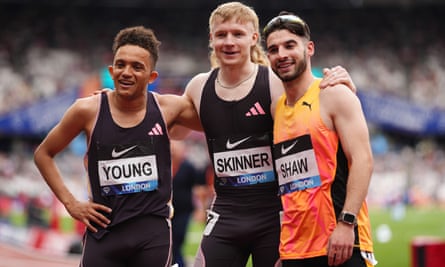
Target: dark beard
{"points": [[301, 67], [298, 71]]}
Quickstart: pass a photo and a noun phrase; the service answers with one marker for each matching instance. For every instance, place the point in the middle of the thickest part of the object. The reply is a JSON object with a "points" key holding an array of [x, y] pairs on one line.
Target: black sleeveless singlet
{"points": [[134, 164]]}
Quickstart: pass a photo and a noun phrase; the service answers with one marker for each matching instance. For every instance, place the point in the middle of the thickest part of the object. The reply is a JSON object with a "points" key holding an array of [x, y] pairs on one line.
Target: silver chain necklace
{"points": [[238, 84]]}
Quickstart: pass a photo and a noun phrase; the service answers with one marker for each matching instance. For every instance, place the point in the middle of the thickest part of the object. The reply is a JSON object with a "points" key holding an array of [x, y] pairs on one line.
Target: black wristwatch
{"points": [[348, 218]]}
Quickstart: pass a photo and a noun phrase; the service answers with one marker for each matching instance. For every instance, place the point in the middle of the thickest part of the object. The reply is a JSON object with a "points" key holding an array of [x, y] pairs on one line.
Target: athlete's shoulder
{"points": [[339, 99], [337, 92], [198, 81], [86, 105], [194, 88]]}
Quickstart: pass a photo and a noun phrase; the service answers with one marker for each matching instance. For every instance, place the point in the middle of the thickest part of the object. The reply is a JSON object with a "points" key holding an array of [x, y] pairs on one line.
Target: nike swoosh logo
{"points": [[237, 143], [116, 154], [285, 150]]}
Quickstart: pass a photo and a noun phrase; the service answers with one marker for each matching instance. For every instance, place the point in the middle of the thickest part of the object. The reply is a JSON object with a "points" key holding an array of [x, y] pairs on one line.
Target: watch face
{"points": [[350, 218]]}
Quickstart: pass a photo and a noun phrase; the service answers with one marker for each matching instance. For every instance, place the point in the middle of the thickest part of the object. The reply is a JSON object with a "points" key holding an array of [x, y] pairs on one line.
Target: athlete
{"points": [[128, 159], [235, 102], [322, 156]]}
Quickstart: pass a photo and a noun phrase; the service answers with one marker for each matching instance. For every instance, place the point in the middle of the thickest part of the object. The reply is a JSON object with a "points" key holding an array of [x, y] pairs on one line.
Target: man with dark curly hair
{"points": [[128, 159]]}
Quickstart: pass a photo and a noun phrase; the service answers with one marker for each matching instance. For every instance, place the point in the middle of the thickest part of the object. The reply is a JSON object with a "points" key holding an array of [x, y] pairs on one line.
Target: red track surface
{"points": [[11, 256]]}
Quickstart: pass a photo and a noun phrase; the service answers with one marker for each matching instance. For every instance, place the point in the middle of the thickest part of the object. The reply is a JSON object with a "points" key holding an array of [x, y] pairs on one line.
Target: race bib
{"points": [[296, 165], [128, 175], [243, 160]]}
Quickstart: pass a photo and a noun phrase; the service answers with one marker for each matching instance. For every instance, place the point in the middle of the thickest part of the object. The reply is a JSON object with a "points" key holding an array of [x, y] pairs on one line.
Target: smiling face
{"points": [[232, 40], [289, 54], [132, 71]]}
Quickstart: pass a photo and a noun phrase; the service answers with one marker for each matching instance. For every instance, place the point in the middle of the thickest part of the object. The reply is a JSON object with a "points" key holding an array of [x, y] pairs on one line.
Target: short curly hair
{"points": [[139, 36]]}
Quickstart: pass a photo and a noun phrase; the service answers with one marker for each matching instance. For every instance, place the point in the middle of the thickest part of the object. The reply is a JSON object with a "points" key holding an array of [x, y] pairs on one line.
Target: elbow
{"points": [[37, 155], [40, 154]]}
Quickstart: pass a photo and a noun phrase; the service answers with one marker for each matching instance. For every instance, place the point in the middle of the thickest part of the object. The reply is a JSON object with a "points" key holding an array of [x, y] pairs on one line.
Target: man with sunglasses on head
{"points": [[322, 155]]}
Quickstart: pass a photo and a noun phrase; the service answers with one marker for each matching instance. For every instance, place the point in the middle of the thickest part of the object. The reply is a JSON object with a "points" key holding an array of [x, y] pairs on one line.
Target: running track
{"points": [[11, 256]]}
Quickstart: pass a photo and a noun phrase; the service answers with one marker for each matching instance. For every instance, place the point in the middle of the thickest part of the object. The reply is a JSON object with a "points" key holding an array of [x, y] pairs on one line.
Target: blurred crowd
{"points": [[398, 51], [45, 50]]}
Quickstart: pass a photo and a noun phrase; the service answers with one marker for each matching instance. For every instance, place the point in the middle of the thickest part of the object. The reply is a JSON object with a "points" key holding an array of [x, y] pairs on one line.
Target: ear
{"points": [[153, 75], [310, 48], [255, 38]]}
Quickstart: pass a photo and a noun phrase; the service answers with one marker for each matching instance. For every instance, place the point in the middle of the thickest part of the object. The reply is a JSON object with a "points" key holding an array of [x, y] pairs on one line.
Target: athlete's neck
{"points": [[296, 88], [232, 77], [128, 104]]}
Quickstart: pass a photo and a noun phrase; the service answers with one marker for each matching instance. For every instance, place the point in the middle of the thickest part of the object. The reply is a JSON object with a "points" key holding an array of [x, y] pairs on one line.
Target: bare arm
{"points": [[350, 124], [190, 114], [73, 123], [179, 114], [186, 121], [347, 118]]}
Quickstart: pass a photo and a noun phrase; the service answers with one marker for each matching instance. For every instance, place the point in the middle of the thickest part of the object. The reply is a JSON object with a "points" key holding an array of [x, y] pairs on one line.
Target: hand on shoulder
{"points": [[337, 75]]}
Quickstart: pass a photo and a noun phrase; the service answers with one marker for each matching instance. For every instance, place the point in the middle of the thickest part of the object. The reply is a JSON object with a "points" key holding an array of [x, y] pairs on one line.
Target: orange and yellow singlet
{"points": [[312, 172]]}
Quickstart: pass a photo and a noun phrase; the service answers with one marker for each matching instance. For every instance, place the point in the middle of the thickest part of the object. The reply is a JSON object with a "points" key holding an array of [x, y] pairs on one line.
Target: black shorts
{"points": [[231, 237], [143, 241]]}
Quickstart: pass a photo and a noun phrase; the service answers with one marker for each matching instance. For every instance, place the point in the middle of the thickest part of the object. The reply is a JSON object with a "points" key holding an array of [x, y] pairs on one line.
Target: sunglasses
{"points": [[279, 20]]}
